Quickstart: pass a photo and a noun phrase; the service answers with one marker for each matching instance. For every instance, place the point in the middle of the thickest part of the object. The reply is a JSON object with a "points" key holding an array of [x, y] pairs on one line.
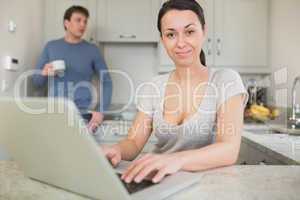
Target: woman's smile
{"points": [[183, 54]]}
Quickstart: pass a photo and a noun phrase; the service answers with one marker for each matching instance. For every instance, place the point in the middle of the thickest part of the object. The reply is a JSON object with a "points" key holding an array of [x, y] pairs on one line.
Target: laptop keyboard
{"points": [[135, 187]]}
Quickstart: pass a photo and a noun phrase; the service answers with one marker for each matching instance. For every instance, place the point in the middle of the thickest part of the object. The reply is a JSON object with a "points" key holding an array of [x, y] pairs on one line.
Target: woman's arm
{"points": [[228, 139], [138, 135], [222, 153]]}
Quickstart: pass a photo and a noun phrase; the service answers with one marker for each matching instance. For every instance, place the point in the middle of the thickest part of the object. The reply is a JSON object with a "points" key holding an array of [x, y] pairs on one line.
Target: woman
{"points": [[183, 108]]}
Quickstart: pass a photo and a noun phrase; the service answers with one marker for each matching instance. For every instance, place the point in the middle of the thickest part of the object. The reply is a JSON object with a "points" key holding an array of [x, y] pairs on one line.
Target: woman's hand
{"points": [[112, 153], [154, 166]]}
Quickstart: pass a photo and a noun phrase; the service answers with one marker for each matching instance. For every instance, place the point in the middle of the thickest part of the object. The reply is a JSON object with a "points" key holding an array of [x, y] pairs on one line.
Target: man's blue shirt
{"points": [[82, 61]]}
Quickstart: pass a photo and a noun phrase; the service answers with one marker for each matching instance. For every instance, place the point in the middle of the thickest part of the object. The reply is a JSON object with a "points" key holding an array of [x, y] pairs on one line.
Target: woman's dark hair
{"points": [[191, 5], [75, 9]]}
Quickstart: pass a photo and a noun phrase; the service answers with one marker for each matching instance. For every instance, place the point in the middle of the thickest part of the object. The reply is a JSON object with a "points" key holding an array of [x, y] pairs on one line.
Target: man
{"points": [[82, 61]]}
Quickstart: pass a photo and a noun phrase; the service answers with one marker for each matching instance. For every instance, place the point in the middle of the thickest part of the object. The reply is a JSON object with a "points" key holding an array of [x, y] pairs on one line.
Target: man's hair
{"points": [[75, 9]]}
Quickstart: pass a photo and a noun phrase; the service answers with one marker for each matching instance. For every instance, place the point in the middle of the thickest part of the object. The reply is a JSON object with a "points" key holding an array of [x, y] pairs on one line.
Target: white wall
{"points": [[138, 61], [285, 47], [25, 44]]}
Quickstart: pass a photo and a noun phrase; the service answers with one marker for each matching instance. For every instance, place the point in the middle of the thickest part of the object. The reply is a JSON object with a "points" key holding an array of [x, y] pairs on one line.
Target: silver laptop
{"points": [[49, 140]]}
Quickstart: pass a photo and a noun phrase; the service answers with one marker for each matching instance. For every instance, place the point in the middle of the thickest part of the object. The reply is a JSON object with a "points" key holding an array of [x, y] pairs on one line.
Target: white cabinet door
{"points": [[208, 47], [241, 31], [55, 10], [127, 21]]}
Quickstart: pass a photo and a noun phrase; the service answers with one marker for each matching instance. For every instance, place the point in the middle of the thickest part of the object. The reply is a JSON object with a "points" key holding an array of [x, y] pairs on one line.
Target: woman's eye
{"points": [[170, 35], [190, 32]]}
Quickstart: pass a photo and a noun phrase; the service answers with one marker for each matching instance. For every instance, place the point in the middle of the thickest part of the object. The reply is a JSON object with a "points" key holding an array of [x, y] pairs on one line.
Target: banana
{"points": [[260, 110], [275, 113], [259, 113], [262, 113], [260, 117]]}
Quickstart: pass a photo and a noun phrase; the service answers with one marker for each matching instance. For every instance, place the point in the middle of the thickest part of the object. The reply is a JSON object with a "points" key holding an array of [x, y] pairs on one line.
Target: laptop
{"points": [[49, 140]]}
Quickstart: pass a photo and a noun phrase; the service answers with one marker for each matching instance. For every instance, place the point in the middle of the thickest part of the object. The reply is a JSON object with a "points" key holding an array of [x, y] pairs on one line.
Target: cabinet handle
{"points": [[209, 46], [244, 163], [128, 36], [263, 162], [219, 47]]}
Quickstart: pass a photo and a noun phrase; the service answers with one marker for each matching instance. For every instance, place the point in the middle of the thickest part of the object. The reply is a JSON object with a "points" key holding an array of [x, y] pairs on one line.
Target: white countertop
{"points": [[235, 182]]}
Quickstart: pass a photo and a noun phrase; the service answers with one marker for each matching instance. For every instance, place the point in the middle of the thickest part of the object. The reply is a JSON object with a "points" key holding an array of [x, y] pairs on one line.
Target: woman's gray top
{"points": [[199, 130]]}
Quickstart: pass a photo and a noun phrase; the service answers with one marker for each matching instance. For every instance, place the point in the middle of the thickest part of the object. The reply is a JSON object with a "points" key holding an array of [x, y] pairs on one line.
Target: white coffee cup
{"points": [[59, 65]]}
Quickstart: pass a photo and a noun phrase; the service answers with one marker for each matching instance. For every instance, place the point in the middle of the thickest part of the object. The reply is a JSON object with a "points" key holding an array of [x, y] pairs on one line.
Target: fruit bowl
{"points": [[260, 113]]}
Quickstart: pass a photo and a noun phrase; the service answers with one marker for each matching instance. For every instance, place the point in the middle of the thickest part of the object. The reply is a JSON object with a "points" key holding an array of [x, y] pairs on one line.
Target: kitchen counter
{"points": [[283, 147], [235, 182]]}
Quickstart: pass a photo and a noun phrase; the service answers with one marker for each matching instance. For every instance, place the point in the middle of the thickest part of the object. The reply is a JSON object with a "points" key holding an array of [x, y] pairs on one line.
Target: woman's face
{"points": [[182, 36]]}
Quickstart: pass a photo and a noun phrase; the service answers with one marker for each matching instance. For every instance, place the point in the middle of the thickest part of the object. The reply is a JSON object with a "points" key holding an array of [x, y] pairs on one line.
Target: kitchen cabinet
{"points": [[54, 13], [250, 155], [127, 21], [237, 35], [241, 30]]}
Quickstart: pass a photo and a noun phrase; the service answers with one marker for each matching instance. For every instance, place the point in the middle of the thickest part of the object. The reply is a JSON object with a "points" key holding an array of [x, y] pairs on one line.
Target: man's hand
{"points": [[96, 120], [48, 70]]}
